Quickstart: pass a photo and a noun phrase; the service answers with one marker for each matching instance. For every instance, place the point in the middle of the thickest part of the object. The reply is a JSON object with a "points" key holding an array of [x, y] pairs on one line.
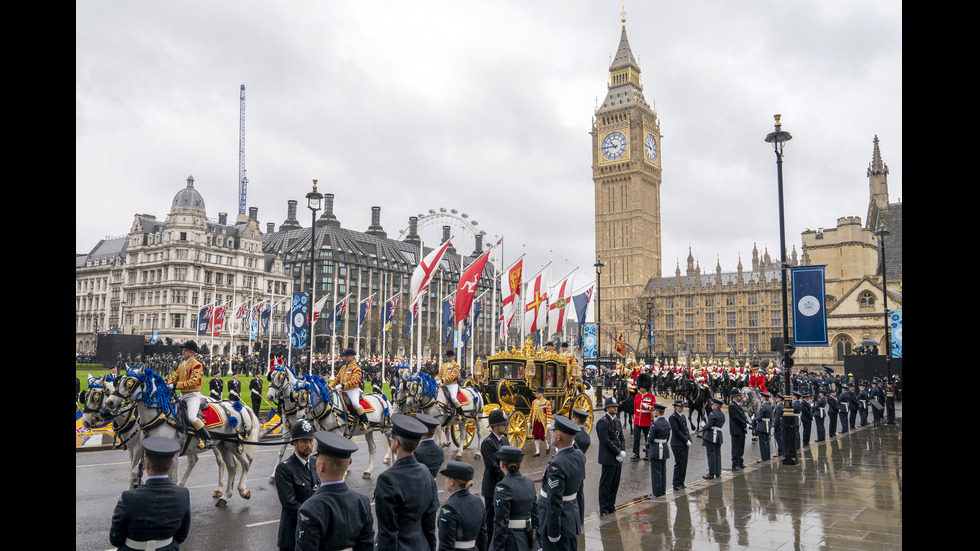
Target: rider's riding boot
{"points": [[362, 417], [204, 435]]}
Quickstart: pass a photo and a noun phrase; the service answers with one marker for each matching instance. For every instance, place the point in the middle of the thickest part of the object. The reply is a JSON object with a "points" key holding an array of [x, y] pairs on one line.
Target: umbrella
{"points": [[869, 342]]}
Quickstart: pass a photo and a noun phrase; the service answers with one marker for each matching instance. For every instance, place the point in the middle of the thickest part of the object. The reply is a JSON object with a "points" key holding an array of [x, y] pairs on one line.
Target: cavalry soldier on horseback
{"points": [[348, 380], [448, 376], [187, 380]]}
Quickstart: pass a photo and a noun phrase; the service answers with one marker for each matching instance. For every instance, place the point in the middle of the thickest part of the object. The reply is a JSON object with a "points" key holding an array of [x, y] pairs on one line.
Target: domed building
{"points": [[155, 280]]}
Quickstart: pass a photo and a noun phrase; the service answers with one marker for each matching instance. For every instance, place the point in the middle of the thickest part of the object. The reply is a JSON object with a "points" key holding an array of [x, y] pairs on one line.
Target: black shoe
{"points": [[635, 458], [645, 458]]}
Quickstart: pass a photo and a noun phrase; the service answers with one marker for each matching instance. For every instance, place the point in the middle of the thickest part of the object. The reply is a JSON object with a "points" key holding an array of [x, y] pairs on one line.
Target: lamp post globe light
{"points": [[881, 232], [314, 201], [778, 138]]}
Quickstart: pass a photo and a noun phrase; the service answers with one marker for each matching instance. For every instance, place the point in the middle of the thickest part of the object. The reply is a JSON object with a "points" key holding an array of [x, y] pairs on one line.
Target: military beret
{"points": [[334, 445], [458, 470]]}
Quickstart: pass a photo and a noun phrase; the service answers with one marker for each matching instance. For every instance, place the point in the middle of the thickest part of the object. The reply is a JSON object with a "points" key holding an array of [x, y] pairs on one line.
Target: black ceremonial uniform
{"points": [[515, 515], [680, 437], [737, 428], [819, 413], [430, 455], [255, 388], [658, 451], [833, 410], [235, 390], [217, 386], [295, 483], [777, 426], [712, 441], [863, 398], [806, 417], [461, 522], [844, 405], [763, 421], [334, 518], [612, 442], [406, 503], [582, 442], [853, 405], [491, 473], [557, 503]]}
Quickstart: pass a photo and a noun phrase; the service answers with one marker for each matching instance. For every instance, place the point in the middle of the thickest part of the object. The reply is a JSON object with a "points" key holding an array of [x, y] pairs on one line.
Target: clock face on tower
{"points": [[614, 146], [650, 147]]}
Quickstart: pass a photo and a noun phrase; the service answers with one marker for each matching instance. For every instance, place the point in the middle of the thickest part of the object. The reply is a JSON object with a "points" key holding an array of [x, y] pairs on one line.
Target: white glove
{"points": [[338, 387], [703, 424], [554, 540], [689, 443]]}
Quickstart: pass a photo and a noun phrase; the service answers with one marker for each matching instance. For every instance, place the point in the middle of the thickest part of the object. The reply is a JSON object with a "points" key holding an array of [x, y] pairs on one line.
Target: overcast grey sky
{"points": [[486, 107]]}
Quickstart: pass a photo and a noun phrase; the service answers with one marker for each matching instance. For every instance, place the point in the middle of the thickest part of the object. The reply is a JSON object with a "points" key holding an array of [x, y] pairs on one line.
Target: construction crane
{"points": [[242, 179]]}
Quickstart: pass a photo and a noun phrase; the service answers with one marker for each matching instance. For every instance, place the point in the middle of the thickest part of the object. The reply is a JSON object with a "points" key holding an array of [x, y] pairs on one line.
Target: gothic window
{"points": [[866, 300], [844, 347]]}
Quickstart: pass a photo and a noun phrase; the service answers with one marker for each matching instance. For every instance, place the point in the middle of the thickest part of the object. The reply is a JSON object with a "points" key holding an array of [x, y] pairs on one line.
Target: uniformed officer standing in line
{"points": [[217, 387], [877, 401], [833, 410], [863, 399], [612, 451], [429, 453], [235, 389], [515, 515], [797, 412], [763, 422], [777, 424], [296, 480], [642, 414], [335, 517], [491, 465], [680, 444], [806, 418], [658, 450], [738, 427], [462, 519], [255, 388], [819, 413], [558, 503], [406, 501], [713, 438], [844, 404], [157, 514], [581, 443], [853, 405]]}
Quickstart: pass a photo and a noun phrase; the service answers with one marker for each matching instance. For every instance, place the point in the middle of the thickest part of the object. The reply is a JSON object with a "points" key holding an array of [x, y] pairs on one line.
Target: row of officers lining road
{"points": [[319, 511]]}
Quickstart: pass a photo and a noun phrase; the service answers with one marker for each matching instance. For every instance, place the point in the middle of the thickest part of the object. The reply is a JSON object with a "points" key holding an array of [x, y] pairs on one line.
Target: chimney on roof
{"points": [[445, 237], [222, 218], [270, 227], [328, 218], [413, 231], [479, 245], [291, 223], [375, 227], [253, 213]]}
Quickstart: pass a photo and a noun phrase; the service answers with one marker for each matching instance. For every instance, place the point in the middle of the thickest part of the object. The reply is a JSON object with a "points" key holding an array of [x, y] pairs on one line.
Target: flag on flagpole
{"points": [[335, 314], [581, 308], [412, 312], [219, 320], [510, 288], [447, 319], [557, 307], [425, 270], [204, 320], [468, 283], [298, 320], [239, 318], [317, 308], [365, 307], [621, 345], [389, 314], [536, 310]]}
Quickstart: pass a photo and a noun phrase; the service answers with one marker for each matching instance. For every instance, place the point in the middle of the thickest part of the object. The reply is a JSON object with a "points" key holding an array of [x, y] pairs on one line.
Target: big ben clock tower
{"points": [[626, 159]]}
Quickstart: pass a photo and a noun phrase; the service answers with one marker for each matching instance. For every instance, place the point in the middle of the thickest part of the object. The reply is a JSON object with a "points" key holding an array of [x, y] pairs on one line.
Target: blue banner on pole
{"points": [[895, 321], [590, 342], [298, 326], [809, 305]]}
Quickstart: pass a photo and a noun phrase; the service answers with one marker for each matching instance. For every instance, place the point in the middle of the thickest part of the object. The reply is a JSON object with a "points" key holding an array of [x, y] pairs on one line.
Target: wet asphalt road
{"points": [[253, 524]]}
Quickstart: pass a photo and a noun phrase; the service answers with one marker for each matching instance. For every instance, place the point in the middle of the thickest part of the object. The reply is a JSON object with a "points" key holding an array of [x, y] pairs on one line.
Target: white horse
{"points": [[418, 393], [124, 425], [282, 393], [751, 403], [159, 414], [325, 409]]}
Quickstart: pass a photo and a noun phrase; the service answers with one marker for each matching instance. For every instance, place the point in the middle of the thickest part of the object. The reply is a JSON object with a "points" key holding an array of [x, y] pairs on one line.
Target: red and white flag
{"points": [[219, 320], [425, 270], [467, 286], [317, 308], [510, 287], [560, 298], [536, 305]]}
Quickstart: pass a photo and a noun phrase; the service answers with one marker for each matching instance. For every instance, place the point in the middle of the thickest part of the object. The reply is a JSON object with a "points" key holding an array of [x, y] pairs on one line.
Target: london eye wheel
{"points": [[435, 225]]}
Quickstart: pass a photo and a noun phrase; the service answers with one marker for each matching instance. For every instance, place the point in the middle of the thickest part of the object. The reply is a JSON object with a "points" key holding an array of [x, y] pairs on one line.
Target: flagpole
{"points": [[333, 316], [493, 301], [458, 323], [289, 322]]}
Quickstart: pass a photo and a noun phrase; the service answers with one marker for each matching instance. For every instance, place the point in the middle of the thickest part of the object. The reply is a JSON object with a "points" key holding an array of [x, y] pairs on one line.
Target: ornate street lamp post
{"points": [[314, 201], [649, 329], [881, 232], [778, 138]]}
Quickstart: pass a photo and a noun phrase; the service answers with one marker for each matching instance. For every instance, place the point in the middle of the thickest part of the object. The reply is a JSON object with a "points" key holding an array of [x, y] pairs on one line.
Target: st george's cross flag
{"points": [[425, 270], [559, 301]]}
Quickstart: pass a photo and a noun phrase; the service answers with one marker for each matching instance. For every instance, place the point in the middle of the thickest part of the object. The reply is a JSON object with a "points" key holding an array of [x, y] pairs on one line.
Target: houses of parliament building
{"points": [[711, 312]]}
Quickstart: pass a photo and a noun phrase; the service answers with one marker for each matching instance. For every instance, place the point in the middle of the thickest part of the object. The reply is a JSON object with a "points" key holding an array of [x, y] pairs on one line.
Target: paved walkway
{"points": [[844, 493]]}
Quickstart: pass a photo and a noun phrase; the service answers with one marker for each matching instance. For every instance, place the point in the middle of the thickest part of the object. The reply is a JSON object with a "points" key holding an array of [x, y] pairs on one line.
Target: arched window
{"points": [[844, 347], [866, 300]]}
